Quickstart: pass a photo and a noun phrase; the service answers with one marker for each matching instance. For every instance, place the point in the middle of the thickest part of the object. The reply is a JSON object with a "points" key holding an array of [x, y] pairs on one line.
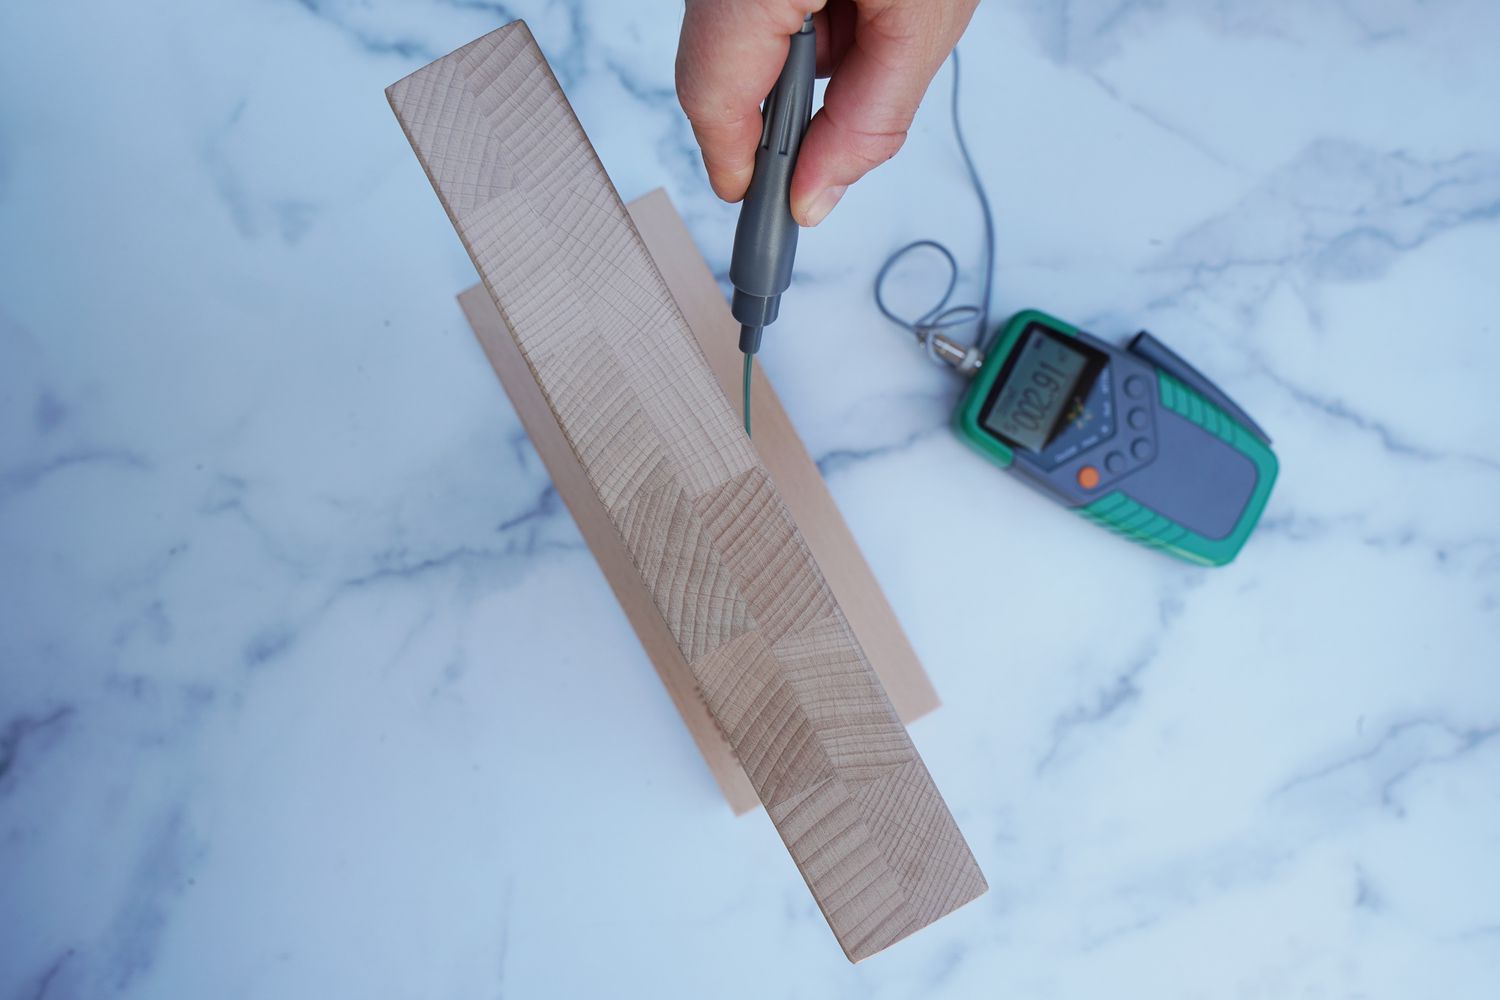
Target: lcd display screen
{"points": [[1041, 383]]}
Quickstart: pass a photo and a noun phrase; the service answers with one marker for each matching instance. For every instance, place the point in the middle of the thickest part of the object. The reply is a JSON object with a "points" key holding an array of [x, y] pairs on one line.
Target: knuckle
{"points": [[877, 147], [870, 147]]}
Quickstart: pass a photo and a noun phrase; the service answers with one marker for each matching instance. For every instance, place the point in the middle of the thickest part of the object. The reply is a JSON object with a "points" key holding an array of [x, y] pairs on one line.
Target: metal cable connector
{"points": [[965, 360]]}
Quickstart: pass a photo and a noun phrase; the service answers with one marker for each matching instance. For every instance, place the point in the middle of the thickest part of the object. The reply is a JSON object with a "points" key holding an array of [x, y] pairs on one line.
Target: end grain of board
{"points": [[751, 613]]}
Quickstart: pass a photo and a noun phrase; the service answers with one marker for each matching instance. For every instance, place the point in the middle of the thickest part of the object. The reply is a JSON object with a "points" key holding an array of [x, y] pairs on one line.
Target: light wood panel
{"points": [[707, 532], [785, 457], [791, 468]]}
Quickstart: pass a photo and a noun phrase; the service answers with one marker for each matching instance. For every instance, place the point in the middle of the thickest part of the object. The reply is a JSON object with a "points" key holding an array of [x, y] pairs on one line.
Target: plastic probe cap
{"points": [[765, 241]]}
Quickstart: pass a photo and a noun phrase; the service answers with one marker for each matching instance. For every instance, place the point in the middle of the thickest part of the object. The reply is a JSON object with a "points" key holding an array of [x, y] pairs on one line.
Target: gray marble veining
{"points": [[309, 688]]}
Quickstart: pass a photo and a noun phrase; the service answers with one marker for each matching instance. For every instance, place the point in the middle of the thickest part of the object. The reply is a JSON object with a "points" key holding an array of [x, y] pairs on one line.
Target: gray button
{"points": [[1135, 386], [1137, 419], [1114, 463], [1141, 448]]}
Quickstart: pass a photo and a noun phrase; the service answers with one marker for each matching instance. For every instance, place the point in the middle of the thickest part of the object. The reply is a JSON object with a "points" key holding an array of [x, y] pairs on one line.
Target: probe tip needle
{"points": [[749, 363]]}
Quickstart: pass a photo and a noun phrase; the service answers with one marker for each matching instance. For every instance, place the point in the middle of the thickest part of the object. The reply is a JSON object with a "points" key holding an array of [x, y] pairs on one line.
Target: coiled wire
{"points": [[943, 316]]}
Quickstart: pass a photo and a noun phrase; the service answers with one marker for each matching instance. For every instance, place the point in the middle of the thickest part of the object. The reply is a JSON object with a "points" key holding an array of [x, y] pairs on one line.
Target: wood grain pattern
{"points": [[729, 572], [797, 478], [792, 469], [614, 559]]}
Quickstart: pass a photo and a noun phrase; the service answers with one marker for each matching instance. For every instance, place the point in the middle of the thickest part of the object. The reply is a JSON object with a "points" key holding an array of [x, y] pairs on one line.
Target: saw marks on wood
{"points": [[705, 529]]}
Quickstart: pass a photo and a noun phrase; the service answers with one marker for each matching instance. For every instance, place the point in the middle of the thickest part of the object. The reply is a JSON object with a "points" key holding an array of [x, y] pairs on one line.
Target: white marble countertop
{"points": [[309, 689]]}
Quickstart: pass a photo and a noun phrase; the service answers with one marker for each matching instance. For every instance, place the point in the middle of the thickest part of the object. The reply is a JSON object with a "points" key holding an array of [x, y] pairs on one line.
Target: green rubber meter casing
{"points": [[1132, 438]]}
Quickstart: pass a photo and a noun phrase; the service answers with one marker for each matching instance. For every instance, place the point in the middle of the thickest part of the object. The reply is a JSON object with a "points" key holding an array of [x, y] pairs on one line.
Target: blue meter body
{"points": [[1133, 438]]}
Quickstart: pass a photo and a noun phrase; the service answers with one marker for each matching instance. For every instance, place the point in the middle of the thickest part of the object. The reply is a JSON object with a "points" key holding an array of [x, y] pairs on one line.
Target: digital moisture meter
{"points": [[1135, 439]]}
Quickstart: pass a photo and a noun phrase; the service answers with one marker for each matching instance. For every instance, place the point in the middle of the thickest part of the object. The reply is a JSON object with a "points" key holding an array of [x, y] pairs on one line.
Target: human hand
{"points": [[880, 55]]}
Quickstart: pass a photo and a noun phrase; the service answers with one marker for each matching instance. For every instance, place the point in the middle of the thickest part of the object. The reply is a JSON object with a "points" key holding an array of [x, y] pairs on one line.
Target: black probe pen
{"points": [[765, 241]]}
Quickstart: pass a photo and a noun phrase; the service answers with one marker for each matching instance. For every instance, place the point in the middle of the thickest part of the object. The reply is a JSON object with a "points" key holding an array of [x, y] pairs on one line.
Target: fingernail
{"points": [[817, 210]]}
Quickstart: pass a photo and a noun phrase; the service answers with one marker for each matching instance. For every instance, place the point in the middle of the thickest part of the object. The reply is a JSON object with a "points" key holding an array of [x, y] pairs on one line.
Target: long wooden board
{"points": [[792, 470], [757, 625], [785, 457]]}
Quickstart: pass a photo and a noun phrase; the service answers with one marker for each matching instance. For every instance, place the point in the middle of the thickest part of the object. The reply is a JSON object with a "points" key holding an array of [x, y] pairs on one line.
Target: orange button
{"points": [[1088, 477]]}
